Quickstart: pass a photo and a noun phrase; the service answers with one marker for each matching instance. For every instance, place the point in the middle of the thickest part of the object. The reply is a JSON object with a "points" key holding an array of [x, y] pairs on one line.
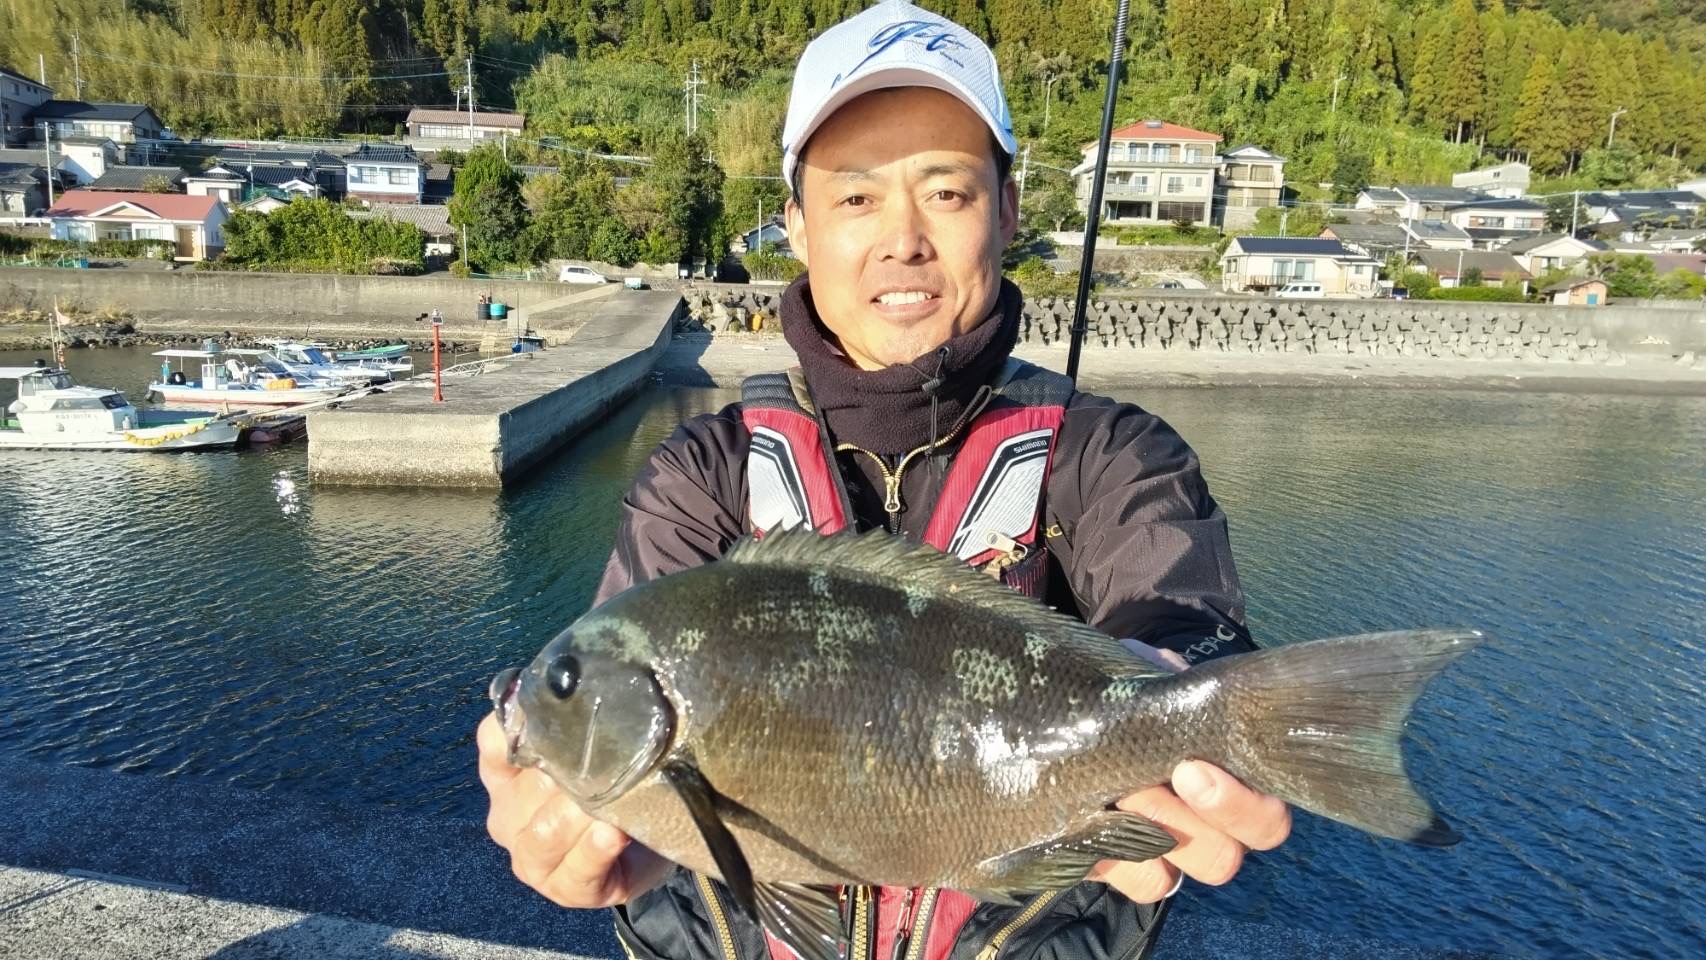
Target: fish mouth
{"points": [[502, 691]]}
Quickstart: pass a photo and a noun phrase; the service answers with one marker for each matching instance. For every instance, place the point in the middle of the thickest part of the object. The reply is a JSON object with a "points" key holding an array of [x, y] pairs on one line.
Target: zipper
{"points": [[860, 949], [921, 925], [1008, 553], [719, 919], [892, 478], [993, 947]]}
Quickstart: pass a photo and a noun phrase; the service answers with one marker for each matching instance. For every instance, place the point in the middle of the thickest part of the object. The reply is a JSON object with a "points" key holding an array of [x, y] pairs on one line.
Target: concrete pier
{"points": [[495, 425]]}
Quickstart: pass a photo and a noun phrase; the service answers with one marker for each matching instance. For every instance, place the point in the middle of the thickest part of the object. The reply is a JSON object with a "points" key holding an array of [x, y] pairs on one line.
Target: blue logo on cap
{"points": [[933, 37]]}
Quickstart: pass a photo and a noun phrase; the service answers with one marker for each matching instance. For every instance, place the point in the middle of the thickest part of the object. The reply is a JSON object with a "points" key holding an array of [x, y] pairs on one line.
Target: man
{"points": [[906, 412]]}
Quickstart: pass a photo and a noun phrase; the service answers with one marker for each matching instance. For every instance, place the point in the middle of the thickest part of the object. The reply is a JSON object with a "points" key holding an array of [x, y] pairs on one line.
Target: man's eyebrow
{"points": [[851, 174], [948, 168]]}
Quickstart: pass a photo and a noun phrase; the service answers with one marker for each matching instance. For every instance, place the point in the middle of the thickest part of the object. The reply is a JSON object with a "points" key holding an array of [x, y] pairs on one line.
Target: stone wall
{"points": [[1400, 328]]}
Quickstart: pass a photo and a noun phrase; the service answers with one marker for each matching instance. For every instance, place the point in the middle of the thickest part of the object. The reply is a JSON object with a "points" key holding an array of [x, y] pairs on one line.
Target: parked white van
{"points": [[1301, 290]]}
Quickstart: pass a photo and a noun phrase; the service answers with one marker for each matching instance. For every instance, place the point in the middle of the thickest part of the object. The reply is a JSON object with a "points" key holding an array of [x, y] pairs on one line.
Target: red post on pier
{"points": [[437, 369]]}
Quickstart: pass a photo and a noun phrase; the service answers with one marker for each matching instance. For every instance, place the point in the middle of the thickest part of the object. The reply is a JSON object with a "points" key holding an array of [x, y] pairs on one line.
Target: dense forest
{"points": [[1352, 91]]}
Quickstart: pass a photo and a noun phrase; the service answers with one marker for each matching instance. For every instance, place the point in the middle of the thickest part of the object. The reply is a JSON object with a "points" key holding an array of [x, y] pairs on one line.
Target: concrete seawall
{"points": [[495, 425], [1427, 328]]}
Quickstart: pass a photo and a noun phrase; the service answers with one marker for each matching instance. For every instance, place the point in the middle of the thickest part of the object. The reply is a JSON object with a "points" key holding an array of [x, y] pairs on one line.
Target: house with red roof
{"points": [[1158, 172], [194, 224]]}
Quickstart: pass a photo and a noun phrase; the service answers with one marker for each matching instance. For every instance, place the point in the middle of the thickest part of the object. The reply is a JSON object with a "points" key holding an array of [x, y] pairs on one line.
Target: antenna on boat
{"points": [[1094, 217]]}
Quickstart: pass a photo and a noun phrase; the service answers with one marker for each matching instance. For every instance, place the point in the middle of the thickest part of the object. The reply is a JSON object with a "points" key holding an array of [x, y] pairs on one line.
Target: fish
{"points": [[812, 711]]}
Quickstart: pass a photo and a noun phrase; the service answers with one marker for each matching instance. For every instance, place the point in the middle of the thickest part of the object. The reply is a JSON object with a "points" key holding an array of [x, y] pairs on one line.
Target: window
{"points": [[1193, 155], [1161, 153], [363, 175], [1131, 151], [1180, 211], [399, 177], [1196, 183], [1141, 182], [1175, 184]]}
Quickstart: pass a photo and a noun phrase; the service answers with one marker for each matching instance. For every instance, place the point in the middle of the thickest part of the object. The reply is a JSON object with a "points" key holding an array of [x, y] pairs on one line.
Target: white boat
{"points": [[52, 413], [318, 360], [233, 382]]}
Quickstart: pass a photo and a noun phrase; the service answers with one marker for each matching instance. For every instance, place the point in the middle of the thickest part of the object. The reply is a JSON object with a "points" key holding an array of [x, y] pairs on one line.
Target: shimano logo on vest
{"points": [[933, 37]]}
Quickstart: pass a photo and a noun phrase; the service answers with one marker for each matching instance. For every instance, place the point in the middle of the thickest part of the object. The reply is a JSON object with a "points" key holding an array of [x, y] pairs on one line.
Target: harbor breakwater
{"points": [[190, 304], [1385, 328]]}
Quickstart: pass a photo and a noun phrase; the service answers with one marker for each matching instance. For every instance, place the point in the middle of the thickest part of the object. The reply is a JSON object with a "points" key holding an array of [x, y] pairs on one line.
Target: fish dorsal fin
{"points": [[922, 569]]}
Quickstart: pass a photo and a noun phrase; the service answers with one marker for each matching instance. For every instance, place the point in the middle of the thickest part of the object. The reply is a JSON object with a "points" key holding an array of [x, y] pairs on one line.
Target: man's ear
{"points": [[1009, 212], [796, 221]]}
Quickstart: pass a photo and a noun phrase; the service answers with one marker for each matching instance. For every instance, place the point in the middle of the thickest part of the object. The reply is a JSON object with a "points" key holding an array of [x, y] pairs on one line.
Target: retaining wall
{"points": [[1410, 328], [154, 292]]}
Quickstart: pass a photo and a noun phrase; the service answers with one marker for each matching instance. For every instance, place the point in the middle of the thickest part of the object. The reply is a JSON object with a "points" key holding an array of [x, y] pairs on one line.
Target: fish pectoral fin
{"points": [[1063, 861], [805, 918], [701, 801]]}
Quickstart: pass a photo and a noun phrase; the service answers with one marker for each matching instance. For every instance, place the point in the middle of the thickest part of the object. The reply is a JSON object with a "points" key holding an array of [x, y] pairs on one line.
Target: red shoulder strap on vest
{"points": [[993, 491], [788, 471]]}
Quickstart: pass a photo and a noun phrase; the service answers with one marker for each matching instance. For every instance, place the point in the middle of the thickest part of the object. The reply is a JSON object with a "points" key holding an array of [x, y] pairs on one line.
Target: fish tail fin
{"points": [[1325, 718]]}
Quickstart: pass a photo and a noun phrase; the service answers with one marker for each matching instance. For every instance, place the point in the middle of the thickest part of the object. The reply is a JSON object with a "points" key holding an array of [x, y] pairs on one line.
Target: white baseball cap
{"points": [[893, 44]]}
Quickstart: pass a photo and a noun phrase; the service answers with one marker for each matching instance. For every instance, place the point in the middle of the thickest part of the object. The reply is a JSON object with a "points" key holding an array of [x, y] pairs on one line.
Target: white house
{"points": [[194, 224], [1438, 235], [427, 124], [1507, 181], [1490, 223], [1547, 252], [216, 182], [1157, 173], [19, 97], [118, 122], [1256, 264], [1697, 186], [385, 173], [85, 159]]}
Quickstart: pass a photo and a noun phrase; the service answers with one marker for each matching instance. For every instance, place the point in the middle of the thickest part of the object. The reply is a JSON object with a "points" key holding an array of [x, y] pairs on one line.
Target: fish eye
{"points": [[563, 675]]}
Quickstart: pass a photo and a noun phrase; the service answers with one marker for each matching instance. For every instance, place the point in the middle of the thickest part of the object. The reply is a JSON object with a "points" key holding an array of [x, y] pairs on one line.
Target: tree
{"points": [[1538, 126], [1049, 204], [689, 189], [487, 201], [1465, 76], [1351, 176]]}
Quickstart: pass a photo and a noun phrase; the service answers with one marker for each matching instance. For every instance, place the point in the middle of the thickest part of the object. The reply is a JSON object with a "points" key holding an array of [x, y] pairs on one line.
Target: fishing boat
{"points": [[228, 380], [390, 351], [313, 360], [52, 412]]}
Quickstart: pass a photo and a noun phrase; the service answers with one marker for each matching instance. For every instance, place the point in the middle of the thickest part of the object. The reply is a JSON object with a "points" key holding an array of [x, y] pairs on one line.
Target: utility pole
{"points": [[1575, 201], [469, 63], [1336, 81], [77, 65], [1284, 216], [1620, 111], [47, 149], [692, 87], [1459, 280], [41, 67], [1024, 172], [1048, 100]]}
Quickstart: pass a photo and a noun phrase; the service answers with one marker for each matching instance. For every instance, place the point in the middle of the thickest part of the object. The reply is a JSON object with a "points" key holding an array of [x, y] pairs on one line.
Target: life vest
{"points": [[987, 513]]}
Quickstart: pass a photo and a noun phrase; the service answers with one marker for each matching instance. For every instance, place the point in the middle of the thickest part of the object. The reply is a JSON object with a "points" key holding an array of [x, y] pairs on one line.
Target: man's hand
{"points": [[555, 847], [1215, 818]]}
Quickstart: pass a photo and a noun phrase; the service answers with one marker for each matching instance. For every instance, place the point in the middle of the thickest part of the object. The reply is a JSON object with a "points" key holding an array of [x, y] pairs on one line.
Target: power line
{"points": [[267, 76]]}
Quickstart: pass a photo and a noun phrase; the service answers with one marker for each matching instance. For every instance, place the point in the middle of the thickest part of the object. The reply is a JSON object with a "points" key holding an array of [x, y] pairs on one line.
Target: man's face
{"points": [[903, 223]]}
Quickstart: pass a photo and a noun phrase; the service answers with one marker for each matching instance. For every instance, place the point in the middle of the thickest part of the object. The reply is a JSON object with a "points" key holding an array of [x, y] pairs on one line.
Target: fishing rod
{"points": [[1079, 321]]}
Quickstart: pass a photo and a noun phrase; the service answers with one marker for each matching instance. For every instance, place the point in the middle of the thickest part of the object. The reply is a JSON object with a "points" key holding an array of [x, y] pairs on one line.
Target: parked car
{"points": [[1301, 290], [575, 274]]}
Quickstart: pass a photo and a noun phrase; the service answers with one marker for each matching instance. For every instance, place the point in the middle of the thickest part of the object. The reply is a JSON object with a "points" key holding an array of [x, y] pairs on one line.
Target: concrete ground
{"points": [[105, 865]]}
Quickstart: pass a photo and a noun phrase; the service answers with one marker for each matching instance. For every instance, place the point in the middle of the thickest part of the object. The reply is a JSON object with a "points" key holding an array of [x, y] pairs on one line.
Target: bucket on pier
{"points": [[499, 311]]}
